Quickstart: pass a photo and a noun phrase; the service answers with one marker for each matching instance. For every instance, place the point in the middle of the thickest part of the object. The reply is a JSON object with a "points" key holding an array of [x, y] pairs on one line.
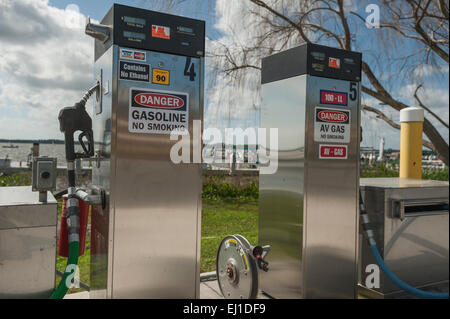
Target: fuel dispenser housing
{"points": [[27, 243], [308, 209], [409, 218], [146, 235]]}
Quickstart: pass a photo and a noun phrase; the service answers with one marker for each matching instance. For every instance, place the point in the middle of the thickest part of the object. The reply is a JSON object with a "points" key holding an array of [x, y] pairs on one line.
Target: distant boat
{"points": [[10, 146]]}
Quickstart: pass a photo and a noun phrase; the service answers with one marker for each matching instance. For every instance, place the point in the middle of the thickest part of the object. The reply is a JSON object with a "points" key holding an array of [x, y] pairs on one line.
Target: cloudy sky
{"points": [[46, 62]]}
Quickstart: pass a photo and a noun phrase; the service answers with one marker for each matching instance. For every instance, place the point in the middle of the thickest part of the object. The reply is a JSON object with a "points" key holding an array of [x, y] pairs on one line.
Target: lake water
{"points": [[21, 153]]}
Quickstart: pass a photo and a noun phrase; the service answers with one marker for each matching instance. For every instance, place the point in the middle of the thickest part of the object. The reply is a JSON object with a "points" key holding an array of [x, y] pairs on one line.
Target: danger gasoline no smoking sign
{"points": [[158, 112]]}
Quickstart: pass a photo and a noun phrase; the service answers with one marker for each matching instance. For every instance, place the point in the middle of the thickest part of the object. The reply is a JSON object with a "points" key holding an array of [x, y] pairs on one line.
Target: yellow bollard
{"points": [[411, 119]]}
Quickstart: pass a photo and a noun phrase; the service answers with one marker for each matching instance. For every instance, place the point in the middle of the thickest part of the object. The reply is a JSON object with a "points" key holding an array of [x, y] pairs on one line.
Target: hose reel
{"points": [[237, 267]]}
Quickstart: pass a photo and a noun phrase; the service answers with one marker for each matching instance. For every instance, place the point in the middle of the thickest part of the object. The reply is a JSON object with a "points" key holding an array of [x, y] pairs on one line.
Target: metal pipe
{"points": [[97, 31], [89, 199]]}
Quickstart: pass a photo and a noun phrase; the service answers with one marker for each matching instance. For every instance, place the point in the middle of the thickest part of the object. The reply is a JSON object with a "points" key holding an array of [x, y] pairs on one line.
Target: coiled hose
{"points": [[376, 254]]}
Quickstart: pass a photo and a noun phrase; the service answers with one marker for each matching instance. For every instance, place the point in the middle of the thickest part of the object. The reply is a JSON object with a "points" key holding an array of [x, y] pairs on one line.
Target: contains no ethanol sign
{"points": [[130, 71], [158, 112]]}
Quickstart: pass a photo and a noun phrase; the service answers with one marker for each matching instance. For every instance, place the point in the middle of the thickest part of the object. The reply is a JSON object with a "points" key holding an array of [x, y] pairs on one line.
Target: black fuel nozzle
{"points": [[73, 119]]}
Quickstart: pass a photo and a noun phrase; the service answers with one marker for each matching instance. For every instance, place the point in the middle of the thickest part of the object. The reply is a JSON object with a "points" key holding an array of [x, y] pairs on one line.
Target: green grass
{"points": [[227, 210], [437, 175], [381, 170], [19, 179], [83, 261], [220, 217], [226, 217]]}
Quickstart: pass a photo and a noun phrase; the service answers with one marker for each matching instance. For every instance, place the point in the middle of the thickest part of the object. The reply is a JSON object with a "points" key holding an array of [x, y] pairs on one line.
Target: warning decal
{"points": [[134, 71], [161, 77], [331, 97], [331, 125], [333, 151], [162, 32], [158, 112]]}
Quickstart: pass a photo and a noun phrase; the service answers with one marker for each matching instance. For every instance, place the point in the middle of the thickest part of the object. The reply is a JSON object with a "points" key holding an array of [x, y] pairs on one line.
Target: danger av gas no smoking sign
{"points": [[331, 125]]}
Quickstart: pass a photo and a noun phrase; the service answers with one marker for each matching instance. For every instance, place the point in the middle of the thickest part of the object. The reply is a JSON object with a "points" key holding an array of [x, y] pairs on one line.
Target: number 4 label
{"points": [[189, 69]]}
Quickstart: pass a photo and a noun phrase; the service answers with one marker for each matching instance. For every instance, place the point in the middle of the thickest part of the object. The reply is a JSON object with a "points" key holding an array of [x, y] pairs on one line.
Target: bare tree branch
{"points": [[344, 22], [426, 108], [443, 7], [264, 5], [397, 126], [381, 115], [322, 21]]}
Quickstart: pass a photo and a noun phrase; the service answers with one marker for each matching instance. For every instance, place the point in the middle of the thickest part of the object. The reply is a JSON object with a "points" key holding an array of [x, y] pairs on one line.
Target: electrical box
{"points": [[146, 237], [409, 218], [27, 243], [43, 174], [308, 209]]}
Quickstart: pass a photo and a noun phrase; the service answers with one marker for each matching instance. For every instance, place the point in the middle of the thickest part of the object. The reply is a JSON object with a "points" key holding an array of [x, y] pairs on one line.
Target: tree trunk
{"points": [[439, 143]]}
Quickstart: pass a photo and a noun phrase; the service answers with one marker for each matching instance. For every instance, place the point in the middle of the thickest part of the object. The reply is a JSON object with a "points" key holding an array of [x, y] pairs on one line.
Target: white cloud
{"points": [[46, 63], [374, 128], [433, 97], [237, 96], [437, 99]]}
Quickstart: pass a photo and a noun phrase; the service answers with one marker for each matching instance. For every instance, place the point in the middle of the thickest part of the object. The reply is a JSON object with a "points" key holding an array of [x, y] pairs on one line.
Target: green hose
{"points": [[62, 288]]}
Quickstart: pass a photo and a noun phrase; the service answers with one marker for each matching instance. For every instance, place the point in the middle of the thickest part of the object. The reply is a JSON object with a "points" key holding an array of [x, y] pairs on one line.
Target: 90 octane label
{"points": [[158, 112]]}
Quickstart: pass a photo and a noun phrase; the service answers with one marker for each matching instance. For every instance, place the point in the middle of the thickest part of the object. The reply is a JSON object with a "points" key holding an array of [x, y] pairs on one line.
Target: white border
{"points": [[149, 72], [157, 91], [349, 125]]}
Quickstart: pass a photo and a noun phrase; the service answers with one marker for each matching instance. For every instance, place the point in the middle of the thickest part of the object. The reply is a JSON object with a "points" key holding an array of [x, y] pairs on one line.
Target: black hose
{"points": [[60, 194], [71, 177]]}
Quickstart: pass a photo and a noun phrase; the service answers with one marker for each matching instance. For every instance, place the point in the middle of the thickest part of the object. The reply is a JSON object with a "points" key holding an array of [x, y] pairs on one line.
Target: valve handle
{"points": [[259, 253], [89, 149]]}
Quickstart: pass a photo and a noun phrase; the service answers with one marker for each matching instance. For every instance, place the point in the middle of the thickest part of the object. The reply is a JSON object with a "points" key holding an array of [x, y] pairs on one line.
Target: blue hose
{"points": [[414, 291]]}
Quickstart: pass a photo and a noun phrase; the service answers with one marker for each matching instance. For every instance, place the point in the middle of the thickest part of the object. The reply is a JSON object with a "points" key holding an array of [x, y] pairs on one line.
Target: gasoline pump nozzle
{"points": [[73, 119]]}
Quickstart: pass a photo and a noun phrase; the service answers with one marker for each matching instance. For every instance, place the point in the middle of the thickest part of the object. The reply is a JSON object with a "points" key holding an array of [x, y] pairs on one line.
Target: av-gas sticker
{"points": [[333, 151], [331, 125], [158, 112]]}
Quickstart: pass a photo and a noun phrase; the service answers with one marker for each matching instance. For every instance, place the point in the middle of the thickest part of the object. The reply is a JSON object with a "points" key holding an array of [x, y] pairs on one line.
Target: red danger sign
{"points": [[331, 97], [332, 151], [166, 101], [333, 116]]}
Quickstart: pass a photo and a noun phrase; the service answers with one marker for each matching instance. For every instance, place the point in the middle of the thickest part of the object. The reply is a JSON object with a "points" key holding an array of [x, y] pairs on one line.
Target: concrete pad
{"points": [[78, 295], [210, 290]]}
